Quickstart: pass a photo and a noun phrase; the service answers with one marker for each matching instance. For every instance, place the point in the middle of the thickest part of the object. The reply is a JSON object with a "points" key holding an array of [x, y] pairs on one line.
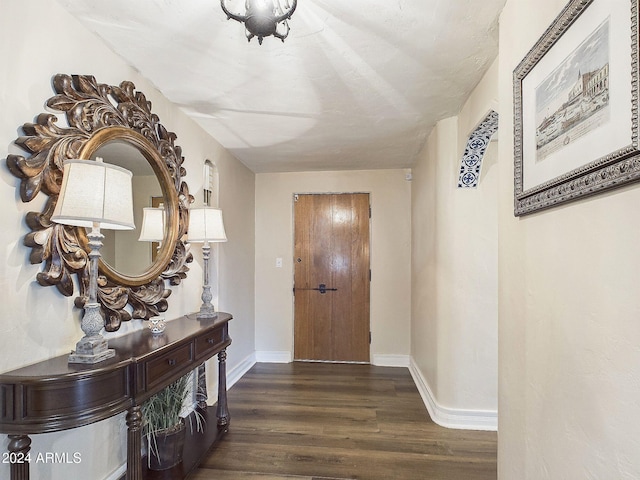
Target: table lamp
{"points": [[152, 229], [94, 195], [206, 226]]}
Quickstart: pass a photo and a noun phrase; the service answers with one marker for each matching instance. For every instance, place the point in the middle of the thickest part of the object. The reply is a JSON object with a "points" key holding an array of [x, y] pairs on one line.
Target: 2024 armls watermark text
{"points": [[42, 457]]}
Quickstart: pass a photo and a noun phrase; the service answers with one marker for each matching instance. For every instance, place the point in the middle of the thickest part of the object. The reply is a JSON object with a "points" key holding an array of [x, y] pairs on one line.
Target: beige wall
{"points": [[567, 301], [37, 40], [390, 257], [455, 272], [569, 312]]}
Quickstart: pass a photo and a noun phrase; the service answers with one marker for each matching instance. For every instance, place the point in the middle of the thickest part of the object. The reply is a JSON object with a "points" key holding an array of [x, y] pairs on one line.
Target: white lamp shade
{"points": [[205, 225], [95, 192], [152, 229]]}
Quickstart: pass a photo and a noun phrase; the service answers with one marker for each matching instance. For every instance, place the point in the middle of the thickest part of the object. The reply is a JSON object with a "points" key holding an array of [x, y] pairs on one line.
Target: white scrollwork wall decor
{"points": [[479, 139]]}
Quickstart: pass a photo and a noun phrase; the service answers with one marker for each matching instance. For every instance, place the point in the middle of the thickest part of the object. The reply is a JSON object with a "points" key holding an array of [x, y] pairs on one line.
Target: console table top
{"points": [[55, 395], [130, 347]]}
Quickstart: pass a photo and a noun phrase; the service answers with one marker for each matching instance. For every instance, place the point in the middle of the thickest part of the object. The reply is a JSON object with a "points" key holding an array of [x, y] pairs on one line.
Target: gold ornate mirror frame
{"points": [[96, 115]]}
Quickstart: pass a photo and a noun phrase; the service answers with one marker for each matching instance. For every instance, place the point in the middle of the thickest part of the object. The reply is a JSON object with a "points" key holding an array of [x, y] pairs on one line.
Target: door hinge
{"points": [[369, 211], [295, 197], [369, 338], [369, 274]]}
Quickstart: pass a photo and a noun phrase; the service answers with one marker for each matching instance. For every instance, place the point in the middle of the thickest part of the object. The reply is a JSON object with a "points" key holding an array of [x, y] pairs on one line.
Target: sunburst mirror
{"points": [[115, 123]]}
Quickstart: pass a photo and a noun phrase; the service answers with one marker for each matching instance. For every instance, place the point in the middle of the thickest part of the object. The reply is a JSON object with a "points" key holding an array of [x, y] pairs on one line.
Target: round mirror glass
{"points": [[123, 250]]}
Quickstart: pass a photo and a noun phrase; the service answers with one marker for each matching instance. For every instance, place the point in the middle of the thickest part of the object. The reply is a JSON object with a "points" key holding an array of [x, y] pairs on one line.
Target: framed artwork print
{"points": [[576, 106]]}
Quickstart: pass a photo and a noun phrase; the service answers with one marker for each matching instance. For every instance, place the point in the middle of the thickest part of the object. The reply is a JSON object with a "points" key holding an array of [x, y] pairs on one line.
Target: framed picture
{"points": [[576, 106]]}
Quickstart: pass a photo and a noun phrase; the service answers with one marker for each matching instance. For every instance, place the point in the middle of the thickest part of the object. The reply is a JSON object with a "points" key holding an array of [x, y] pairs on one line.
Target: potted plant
{"points": [[163, 428]]}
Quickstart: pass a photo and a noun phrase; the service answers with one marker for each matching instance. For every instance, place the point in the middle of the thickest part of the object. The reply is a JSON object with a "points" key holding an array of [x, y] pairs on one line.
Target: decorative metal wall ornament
{"points": [[264, 18], [97, 114], [475, 150]]}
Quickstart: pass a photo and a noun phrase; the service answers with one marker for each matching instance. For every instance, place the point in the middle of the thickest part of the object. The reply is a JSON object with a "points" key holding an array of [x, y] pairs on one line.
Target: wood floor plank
{"points": [[318, 421]]}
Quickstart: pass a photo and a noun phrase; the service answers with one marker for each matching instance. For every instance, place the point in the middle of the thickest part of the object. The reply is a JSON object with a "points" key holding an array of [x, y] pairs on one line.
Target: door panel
{"points": [[332, 250]]}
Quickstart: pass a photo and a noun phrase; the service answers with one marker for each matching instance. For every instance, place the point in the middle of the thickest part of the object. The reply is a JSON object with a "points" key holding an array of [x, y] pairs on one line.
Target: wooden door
{"points": [[331, 283]]}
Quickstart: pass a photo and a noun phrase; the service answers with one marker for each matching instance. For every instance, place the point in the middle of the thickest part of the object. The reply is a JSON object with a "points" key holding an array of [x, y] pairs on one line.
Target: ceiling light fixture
{"points": [[264, 17]]}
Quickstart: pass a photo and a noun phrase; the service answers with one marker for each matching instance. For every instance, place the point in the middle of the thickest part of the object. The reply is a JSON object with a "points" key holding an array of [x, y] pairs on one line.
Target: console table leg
{"points": [[134, 443], [19, 446], [222, 411]]}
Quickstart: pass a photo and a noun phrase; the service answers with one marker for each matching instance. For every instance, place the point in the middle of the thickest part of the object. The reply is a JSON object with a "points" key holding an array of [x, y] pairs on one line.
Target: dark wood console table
{"points": [[54, 395]]}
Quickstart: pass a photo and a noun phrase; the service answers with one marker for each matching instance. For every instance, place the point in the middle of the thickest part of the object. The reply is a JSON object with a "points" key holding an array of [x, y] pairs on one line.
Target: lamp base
{"points": [[207, 311], [91, 350]]}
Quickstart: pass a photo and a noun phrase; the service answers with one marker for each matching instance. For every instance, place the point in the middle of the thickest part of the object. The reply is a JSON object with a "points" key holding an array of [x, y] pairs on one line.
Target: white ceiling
{"points": [[358, 84]]}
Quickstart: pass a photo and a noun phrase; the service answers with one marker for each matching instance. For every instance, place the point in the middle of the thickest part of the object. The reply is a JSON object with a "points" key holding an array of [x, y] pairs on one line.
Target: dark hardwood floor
{"points": [[340, 421]]}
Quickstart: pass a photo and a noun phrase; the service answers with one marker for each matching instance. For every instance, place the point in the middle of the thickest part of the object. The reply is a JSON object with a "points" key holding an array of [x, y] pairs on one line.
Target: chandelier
{"points": [[264, 17]]}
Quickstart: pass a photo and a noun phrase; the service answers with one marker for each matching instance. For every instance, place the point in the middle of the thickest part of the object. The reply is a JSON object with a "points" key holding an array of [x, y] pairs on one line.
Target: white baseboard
{"points": [[449, 417], [238, 371], [391, 360], [379, 360], [118, 474], [274, 357]]}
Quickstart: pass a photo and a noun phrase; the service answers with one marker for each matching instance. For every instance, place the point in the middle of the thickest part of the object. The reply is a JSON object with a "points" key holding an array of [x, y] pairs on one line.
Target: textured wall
{"points": [[37, 40], [454, 265], [568, 309]]}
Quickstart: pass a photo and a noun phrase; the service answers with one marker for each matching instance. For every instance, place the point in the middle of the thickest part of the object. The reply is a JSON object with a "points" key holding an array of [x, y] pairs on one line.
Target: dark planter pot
{"points": [[167, 452]]}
